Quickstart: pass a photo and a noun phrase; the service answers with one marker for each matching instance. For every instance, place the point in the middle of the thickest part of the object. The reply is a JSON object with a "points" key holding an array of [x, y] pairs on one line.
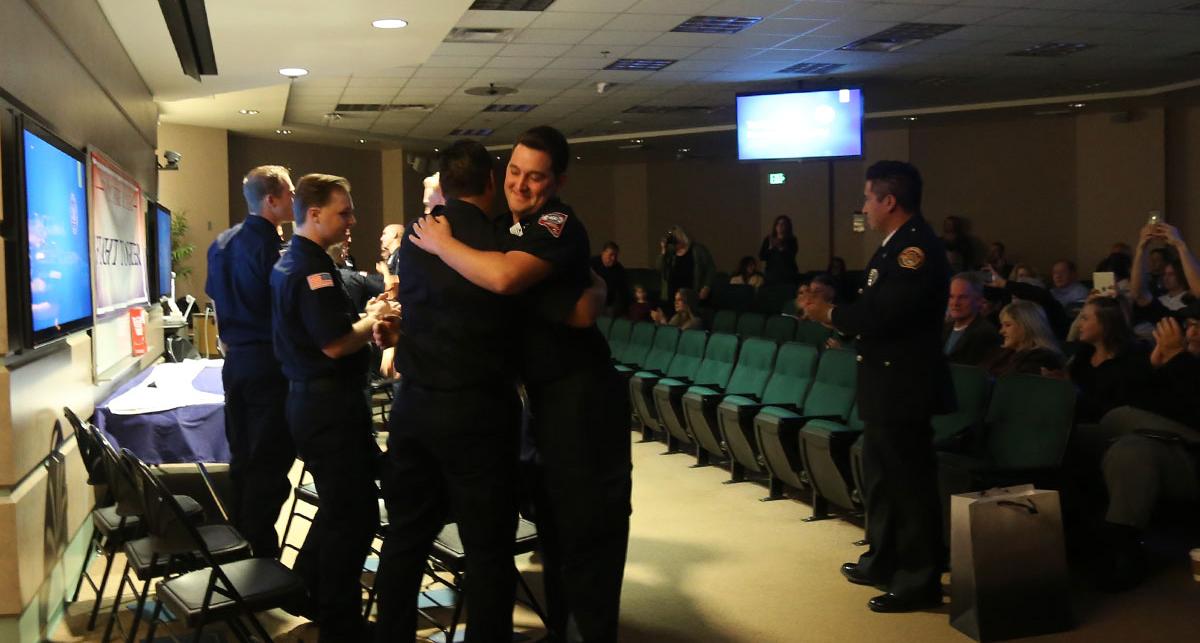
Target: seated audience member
{"points": [[747, 273], [608, 266], [778, 253], [1025, 273], [1067, 289], [1029, 347], [640, 308], [1154, 456], [968, 337], [685, 317], [683, 263], [996, 259], [823, 286], [358, 286], [795, 307], [1023, 288], [1109, 369]]}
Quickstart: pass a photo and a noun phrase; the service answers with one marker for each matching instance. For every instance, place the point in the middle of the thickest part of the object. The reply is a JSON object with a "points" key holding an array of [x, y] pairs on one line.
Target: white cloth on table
{"points": [[168, 386]]}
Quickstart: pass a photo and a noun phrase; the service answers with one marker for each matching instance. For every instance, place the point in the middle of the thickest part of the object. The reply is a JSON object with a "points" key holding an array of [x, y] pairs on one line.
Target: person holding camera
{"points": [[684, 264]]}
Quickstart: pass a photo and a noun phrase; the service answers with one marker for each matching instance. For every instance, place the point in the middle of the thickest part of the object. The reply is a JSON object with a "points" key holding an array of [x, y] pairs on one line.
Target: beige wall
{"points": [[198, 190], [89, 92]]}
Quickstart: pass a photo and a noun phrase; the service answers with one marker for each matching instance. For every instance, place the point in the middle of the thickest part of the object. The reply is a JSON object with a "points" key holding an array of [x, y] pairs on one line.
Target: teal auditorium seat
{"points": [[755, 360], [780, 328], [795, 366], [618, 336], [640, 340], [604, 324], [719, 358], [778, 429], [812, 333], [725, 321], [750, 325], [658, 359], [688, 354]]}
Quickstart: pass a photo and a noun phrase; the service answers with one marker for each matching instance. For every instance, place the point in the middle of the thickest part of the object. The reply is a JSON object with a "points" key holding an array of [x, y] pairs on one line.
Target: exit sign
{"points": [[776, 178]]}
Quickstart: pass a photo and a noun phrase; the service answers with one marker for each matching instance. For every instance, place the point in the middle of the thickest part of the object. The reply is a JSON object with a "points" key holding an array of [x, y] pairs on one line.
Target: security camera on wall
{"points": [[173, 159]]}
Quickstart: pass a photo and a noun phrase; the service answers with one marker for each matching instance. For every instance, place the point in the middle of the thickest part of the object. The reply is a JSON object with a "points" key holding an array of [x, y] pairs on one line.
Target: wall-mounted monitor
{"points": [[823, 124], [52, 290], [162, 250]]}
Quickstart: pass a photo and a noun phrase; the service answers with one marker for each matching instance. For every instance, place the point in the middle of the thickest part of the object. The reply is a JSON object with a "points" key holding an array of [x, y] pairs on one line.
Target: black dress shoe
{"points": [[855, 574], [890, 603]]}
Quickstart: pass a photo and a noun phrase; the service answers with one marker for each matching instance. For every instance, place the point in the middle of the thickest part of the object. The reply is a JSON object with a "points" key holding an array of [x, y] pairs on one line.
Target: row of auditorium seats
{"points": [[629, 341], [785, 414]]}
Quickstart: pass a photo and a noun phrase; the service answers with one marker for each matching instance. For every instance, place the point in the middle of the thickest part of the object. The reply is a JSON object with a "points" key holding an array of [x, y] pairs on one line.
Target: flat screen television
{"points": [[53, 284], [159, 250], [824, 124]]}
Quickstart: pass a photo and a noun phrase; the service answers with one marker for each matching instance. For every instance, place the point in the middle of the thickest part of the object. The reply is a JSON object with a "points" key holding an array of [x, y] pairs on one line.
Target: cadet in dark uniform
{"points": [[239, 271], [322, 345], [454, 426], [903, 380], [580, 406]]}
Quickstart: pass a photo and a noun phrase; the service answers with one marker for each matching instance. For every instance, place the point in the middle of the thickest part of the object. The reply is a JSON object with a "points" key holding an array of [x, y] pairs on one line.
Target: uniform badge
{"points": [[516, 230], [554, 222], [872, 277], [320, 280], [911, 257]]}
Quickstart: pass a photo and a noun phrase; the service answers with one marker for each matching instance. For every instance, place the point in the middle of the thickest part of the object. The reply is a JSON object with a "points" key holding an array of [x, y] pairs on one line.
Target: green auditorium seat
{"points": [[618, 336], [727, 296], [658, 358], [812, 333], [640, 340], [754, 363], [777, 429], [750, 325], [780, 328], [686, 358], [604, 324], [719, 358], [725, 321], [790, 380]]}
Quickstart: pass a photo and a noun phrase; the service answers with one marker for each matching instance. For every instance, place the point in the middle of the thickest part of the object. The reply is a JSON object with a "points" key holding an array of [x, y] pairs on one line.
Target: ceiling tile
{"points": [[694, 64], [468, 49], [534, 50], [564, 20], [433, 83], [567, 62], [611, 37], [456, 61], [812, 42], [693, 7], [674, 39], [663, 53], [593, 51], [787, 27], [725, 54], [552, 36], [851, 30], [749, 8], [589, 5], [445, 72], [979, 33], [360, 82], [822, 10], [571, 73], [1028, 18], [517, 62], [503, 19], [367, 95], [753, 40], [539, 83], [646, 22]]}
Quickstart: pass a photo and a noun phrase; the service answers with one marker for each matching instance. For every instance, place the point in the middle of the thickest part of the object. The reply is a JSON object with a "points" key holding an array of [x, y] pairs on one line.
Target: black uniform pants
{"points": [[905, 526], [333, 436], [452, 457], [260, 445], [581, 430]]}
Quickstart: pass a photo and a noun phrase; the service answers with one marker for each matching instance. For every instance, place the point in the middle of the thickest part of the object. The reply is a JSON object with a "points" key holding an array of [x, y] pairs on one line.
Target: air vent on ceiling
{"points": [[478, 131], [381, 107], [511, 5], [905, 34], [1052, 49], [639, 64], [502, 107], [479, 35], [668, 109], [717, 24], [810, 68]]}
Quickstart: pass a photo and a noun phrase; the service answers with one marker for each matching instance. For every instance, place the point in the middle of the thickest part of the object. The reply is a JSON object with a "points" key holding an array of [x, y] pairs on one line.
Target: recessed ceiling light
{"points": [[637, 140], [362, 140], [685, 150], [389, 23], [1077, 105], [578, 158], [248, 112], [616, 122], [436, 150], [283, 132], [293, 72], [910, 118]]}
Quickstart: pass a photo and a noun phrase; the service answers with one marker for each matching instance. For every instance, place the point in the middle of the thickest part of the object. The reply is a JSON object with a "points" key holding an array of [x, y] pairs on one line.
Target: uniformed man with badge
{"points": [[239, 271], [579, 405], [455, 421], [322, 344], [903, 380]]}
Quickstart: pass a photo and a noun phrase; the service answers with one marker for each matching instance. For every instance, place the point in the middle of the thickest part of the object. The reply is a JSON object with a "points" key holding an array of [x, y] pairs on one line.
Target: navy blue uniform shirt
{"points": [[454, 334], [239, 273], [311, 310], [549, 348]]}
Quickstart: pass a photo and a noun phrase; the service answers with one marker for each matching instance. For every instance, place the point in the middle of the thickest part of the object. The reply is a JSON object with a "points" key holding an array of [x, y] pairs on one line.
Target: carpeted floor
{"points": [[710, 562]]}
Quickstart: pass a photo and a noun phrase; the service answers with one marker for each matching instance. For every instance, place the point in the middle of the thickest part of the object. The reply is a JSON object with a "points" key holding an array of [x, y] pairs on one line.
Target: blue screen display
{"points": [[800, 125], [60, 276], [162, 231]]}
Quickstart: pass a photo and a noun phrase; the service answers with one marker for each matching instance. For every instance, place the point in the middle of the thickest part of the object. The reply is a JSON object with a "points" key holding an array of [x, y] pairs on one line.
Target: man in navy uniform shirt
{"points": [[239, 271], [580, 406], [322, 344], [903, 380]]}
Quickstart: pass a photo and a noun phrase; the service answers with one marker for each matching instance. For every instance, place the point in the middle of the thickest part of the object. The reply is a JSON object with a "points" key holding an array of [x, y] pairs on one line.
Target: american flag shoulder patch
{"points": [[320, 280]]}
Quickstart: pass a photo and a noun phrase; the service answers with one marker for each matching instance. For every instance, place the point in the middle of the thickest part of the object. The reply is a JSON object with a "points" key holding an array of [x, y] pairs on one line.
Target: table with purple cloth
{"points": [[193, 433]]}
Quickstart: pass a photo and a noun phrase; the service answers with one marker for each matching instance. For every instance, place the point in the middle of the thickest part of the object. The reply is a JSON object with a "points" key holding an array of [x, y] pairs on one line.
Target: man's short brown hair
{"points": [[264, 181], [315, 191]]}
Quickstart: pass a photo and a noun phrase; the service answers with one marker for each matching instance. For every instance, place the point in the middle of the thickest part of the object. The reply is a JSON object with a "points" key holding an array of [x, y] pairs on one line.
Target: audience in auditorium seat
{"points": [[1155, 453], [996, 260], [1023, 289], [968, 338], [960, 249], [685, 317], [1066, 287], [1025, 273], [684, 263], [747, 273], [795, 307], [823, 286], [641, 306], [1029, 347], [778, 253], [607, 264], [1109, 369]]}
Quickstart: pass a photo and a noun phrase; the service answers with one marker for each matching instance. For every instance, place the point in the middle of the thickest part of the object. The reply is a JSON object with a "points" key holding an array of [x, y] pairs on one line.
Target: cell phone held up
{"points": [[1155, 217]]}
